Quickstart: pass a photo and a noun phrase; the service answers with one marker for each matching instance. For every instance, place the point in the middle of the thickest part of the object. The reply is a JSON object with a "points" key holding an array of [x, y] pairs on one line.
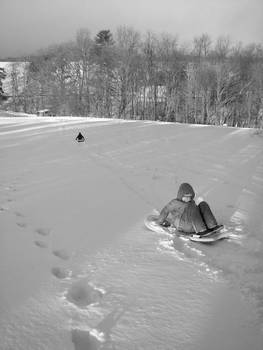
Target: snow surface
{"points": [[79, 270]]}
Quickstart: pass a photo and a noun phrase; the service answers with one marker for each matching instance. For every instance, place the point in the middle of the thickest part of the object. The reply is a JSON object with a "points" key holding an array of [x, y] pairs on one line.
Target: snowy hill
{"points": [[78, 268]]}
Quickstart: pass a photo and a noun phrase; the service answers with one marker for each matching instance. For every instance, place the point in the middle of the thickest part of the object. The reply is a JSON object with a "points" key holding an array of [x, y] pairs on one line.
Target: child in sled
{"points": [[80, 137], [186, 216]]}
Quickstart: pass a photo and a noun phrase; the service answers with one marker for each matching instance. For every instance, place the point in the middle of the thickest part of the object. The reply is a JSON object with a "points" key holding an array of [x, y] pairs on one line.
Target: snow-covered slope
{"points": [[78, 269]]}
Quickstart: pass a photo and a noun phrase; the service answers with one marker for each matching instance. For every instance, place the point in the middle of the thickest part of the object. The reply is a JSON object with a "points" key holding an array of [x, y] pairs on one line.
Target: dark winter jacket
{"points": [[80, 137], [178, 212]]}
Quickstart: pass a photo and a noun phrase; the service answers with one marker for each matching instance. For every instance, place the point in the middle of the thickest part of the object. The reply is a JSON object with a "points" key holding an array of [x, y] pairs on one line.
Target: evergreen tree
{"points": [[104, 38]]}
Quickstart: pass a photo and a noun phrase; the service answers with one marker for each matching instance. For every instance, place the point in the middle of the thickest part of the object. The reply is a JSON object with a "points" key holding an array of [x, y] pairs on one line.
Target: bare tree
{"points": [[127, 42], [202, 45], [104, 59], [150, 77], [82, 68], [222, 47]]}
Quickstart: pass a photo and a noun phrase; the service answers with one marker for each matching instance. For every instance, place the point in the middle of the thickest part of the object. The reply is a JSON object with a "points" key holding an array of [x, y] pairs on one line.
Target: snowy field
{"points": [[78, 269]]}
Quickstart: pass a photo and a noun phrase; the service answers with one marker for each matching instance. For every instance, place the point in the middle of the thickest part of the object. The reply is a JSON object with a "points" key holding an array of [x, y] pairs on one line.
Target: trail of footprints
{"points": [[44, 233], [21, 222], [79, 292], [7, 190]]}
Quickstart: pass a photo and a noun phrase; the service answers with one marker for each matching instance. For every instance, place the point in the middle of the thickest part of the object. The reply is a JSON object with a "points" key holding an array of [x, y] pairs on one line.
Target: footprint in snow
{"points": [[21, 224], [40, 244], [82, 294], [62, 254], [83, 339], [43, 232], [60, 272]]}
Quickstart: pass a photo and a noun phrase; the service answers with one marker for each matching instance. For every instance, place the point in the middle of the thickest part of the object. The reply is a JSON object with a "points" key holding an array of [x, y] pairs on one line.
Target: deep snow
{"points": [[79, 270]]}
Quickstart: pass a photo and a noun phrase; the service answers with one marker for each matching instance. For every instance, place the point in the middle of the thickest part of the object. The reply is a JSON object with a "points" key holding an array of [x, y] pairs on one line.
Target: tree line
{"points": [[133, 76]]}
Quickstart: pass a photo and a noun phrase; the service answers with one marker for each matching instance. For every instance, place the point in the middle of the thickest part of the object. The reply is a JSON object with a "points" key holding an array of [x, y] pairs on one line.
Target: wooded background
{"points": [[153, 77]]}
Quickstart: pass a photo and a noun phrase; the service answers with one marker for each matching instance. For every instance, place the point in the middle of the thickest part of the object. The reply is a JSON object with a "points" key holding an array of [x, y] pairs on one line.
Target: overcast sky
{"points": [[28, 25]]}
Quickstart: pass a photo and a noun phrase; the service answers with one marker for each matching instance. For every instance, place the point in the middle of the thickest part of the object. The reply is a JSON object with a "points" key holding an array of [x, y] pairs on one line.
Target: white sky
{"points": [[27, 25]]}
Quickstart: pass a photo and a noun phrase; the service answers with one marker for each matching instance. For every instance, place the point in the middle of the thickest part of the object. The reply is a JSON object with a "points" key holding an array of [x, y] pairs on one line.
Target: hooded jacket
{"points": [[180, 212], [80, 137]]}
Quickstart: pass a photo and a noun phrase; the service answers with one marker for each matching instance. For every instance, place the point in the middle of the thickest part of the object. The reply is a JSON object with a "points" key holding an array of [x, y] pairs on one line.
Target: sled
{"points": [[213, 236]]}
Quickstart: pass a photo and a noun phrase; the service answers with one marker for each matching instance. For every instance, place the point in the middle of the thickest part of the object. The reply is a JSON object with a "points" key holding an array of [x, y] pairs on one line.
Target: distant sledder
{"points": [[80, 137], [184, 217]]}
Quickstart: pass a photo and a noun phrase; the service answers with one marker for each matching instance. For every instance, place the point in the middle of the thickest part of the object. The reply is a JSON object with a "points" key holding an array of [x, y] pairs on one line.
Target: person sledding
{"points": [[186, 216], [80, 137]]}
